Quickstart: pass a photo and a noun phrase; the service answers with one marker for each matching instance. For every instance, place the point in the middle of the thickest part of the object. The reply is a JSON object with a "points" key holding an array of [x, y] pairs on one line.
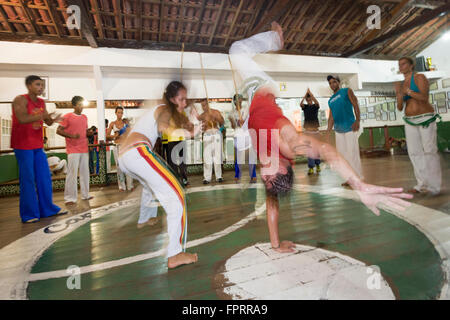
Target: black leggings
{"points": [[179, 169]]}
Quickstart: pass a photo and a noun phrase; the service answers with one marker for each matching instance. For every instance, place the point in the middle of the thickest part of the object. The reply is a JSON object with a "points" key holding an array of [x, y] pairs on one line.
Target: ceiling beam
{"points": [[5, 18], [200, 20], [386, 22], [99, 19], [278, 10], [424, 34], [233, 22], [217, 22], [257, 17], [139, 20], [258, 9], [118, 18], [161, 19], [87, 29], [44, 39], [343, 17], [325, 23], [293, 24], [181, 19], [400, 30], [55, 18], [29, 18], [311, 22]]}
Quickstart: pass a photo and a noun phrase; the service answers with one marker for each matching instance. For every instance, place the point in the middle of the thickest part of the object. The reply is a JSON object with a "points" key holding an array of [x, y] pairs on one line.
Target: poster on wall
{"points": [[371, 109], [384, 116], [391, 106], [440, 96], [363, 116], [384, 106], [372, 100], [433, 86], [362, 101], [392, 116], [371, 115], [446, 83], [44, 94]]}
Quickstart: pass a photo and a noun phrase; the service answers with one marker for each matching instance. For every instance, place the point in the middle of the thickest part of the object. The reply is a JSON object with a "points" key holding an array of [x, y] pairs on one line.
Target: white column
{"points": [[100, 103]]}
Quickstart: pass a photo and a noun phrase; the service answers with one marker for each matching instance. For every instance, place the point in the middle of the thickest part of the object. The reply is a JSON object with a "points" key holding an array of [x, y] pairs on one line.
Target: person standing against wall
{"points": [[237, 118], [212, 142], [311, 125], [27, 139], [113, 133], [420, 128], [344, 116], [74, 127]]}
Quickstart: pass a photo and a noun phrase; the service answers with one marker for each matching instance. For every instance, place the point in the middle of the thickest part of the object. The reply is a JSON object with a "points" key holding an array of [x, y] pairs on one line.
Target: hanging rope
{"points": [[181, 67], [203, 76]]}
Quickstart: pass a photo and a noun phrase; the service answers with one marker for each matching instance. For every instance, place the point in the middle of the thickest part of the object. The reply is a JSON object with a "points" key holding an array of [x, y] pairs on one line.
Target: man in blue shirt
{"points": [[344, 116]]}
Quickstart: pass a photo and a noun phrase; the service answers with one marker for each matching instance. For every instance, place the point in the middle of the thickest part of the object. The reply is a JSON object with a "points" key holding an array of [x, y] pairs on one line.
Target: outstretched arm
{"points": [[370, 195]]}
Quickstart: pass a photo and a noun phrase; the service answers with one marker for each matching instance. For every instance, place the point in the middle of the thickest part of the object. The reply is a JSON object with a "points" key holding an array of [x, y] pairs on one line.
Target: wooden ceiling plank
{"points": [[217, 22], [200, 21], [161, 19], [87, 29], [118, 18], [297, 20], [423, 19], [5, 18], [139, 20], [258, 13], [325, 23], [55, 18], [28, 16], [282, 7], [99, 18], [309, 29], [344, 16], [386, 22], [238, 11], [181, 20]]}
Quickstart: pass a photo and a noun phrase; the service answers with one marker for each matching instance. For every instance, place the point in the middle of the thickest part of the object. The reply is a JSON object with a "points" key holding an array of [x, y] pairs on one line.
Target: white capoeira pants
{"points": [[243, 51], [348, 146], [124, 181], [153, 173], [423, 152], [212, 154], [77, 162]]}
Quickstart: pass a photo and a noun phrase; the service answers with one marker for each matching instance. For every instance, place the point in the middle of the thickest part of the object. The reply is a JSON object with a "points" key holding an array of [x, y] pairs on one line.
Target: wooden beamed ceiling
{"points": [[311, 27]]}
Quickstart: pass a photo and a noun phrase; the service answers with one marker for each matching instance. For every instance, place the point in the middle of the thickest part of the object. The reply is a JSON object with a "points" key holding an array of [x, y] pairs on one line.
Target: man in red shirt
{"points": [[278, 143], [27, 140], [74, 127]]}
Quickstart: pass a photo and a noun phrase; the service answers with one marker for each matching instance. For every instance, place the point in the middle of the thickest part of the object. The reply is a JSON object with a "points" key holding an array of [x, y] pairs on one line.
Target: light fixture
{"points": [[85, 103]]}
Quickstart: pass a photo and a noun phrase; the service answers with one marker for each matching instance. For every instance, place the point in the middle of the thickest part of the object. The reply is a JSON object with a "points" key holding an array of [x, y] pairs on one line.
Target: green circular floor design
{"points": [[407, 259]]}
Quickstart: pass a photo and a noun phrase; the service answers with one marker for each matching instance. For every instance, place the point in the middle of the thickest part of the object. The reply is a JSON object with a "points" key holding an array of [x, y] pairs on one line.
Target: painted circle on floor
{"points": [[118, 261], [309, 273]]}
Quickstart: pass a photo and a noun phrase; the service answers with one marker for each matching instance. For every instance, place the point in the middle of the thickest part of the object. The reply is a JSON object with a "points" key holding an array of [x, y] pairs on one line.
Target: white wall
{"points": [[439, 51]]}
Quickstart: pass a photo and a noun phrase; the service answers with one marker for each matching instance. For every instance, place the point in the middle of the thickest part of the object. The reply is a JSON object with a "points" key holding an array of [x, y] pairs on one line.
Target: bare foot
{"points": [[276, 27], [181, 258], [150, 222]]}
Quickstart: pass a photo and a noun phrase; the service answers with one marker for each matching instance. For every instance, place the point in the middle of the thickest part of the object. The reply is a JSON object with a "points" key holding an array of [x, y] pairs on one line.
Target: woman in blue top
{"points": [[420, 128]]}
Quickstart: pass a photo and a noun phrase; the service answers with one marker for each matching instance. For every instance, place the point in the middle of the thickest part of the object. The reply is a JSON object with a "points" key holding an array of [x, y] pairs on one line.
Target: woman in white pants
{"points": [[137, 159], [420, 128]]}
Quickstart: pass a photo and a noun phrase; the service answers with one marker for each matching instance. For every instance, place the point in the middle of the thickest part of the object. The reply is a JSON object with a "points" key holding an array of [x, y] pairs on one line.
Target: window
{"points": [[6, 134]]}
